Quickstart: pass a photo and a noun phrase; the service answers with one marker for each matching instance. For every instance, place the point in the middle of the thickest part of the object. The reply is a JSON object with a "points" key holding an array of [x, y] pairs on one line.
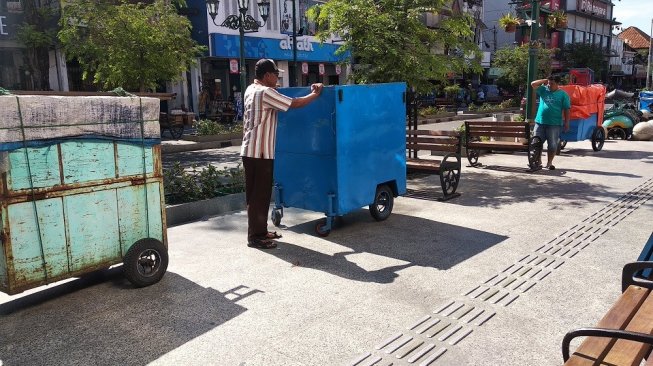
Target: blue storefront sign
{"points": [[226, 46]]}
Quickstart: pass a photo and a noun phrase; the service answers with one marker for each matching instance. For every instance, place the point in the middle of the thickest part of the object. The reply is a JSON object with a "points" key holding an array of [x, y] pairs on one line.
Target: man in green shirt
{"points": [[552, 114]]}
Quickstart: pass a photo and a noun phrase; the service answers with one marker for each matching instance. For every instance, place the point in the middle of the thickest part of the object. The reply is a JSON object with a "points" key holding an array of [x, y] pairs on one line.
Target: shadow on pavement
{"points": [[98, 322], [608, 153], [484, 190], [413, 240]]}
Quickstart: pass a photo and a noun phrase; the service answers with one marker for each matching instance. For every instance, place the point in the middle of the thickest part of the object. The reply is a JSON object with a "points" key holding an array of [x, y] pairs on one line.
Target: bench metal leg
{"points": [[449, 179], [472, 157]]}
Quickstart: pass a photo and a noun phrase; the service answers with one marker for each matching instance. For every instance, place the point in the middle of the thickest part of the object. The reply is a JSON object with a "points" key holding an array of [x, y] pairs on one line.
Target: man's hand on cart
{"points": [[317, 88]]}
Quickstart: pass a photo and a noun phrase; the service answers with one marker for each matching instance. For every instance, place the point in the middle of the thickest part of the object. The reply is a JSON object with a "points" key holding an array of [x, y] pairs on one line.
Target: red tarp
{"points": [[586, 100]]}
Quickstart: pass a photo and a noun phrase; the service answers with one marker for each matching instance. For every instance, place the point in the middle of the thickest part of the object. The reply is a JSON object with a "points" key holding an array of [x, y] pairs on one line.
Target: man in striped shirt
{"points": [[262, 103]]}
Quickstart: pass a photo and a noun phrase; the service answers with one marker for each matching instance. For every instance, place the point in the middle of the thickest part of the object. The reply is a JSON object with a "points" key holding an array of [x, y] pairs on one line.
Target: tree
{"points": [[584, 55], [513, 62], [389, 41], [38, 33], [128, 45]]}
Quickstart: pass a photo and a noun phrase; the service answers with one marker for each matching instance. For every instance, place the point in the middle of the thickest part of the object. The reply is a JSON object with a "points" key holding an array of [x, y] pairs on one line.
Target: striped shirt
{"points": [[262, 104]]}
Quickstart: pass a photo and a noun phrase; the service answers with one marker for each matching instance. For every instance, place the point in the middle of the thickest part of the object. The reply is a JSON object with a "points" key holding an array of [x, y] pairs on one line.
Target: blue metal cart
{"points": [[584, 129], [344, 151]]}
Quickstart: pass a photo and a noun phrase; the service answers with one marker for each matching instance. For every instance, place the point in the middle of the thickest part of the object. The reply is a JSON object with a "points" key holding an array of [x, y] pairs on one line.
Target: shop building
{"points": [[218, 76]]}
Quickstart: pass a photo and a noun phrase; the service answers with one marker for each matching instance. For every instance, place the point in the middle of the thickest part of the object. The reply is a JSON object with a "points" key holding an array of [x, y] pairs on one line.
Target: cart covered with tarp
{"points": [[81, 189], [345, 150], [586, 115]]}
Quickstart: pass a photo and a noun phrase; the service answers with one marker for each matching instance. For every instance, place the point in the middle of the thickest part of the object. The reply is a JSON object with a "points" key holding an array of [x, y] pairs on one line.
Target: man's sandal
{"points": [[272, 235], [261, 243]]}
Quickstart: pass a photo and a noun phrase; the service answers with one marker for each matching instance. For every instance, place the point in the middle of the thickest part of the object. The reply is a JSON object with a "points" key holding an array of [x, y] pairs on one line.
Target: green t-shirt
{"points": [[551, 106]]}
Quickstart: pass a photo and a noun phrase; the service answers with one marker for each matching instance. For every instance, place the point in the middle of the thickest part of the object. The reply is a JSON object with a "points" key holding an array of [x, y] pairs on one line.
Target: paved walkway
{"points": [[494, 277]]}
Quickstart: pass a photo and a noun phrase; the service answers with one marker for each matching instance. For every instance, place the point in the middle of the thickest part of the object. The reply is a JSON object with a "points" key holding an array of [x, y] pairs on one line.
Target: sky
{"points": [[634, 13]]}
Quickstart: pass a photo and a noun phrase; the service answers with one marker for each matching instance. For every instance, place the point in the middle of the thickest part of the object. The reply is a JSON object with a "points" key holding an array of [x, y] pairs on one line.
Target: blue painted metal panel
{"points": [[92, 228], [342, 146], [580, 129], [134, 214], [645, 99], [225, 45], [371, 142], [130, 159], [87, 161], [24, 237], [43, 165]]}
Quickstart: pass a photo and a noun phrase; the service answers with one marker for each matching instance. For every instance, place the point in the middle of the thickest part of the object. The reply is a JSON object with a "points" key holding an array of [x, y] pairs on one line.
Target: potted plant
{"points": [[509, 22], [557, 20]]}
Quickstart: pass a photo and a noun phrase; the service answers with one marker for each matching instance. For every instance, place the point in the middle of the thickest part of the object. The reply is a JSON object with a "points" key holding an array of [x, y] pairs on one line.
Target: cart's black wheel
{"points": [[598, 138], [534, 152], [320, 229], [617, 133], [176, 131], [472, 156], [277, 214], [383, 201], [563, 143], [145, 262]]}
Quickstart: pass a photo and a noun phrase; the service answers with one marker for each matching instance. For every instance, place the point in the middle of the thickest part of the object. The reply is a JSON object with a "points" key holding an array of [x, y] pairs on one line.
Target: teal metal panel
{"points": [[92, 228], [87, 161], [130, 159], [24, 239], [43, 164], [133, 214]]}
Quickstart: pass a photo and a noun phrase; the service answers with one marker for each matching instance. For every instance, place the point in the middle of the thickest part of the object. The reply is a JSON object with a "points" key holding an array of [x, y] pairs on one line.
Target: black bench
{"points": [[448, 168], [624, 334], [478, 136]]}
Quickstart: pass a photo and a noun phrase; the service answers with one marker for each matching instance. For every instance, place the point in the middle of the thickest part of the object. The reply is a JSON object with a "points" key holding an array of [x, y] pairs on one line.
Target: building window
{"points": [[569, 36], [579, 36]]}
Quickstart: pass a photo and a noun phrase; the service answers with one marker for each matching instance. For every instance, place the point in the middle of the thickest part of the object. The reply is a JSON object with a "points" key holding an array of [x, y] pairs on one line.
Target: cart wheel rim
{"points": [[382, 201], [149, 262]]}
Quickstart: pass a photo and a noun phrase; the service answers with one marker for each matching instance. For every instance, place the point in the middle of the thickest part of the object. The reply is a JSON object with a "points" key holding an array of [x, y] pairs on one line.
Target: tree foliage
{"points": [[38, 33], [126, 44], [389, 41], [584, 55], [513, 62]]}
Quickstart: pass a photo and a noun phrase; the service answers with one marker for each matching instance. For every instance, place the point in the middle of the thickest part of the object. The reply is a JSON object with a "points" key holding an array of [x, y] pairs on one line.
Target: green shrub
{"points": [[432, 111], [208, 127], [181, 185]]}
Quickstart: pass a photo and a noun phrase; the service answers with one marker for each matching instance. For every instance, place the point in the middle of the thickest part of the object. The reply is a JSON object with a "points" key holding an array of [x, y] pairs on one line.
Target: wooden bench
{"points": [[476, 132], [448, 168], [624, 335]]}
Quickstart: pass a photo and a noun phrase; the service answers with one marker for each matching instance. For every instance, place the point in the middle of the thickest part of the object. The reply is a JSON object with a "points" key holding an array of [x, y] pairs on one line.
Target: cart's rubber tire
{"points": [[563, 143], [383, 202], [320, 230], [534, 152], [145, 262], [616, 133], [177, 131], [276, 217], [598, 138]]}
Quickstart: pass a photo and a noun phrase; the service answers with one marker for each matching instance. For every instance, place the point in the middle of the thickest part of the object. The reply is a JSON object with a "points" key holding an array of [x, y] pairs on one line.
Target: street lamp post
{"points": [[532, 57], [244, 23], [648, 66]]}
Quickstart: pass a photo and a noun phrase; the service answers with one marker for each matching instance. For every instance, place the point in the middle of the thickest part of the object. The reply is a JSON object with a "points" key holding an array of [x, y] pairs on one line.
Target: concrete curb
{"points": [[171, 149], [193, 211], [423, 121]]}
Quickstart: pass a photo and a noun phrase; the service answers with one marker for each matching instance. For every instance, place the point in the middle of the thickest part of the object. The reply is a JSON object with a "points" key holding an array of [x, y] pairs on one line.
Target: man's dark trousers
{"points": [[258, 191]]}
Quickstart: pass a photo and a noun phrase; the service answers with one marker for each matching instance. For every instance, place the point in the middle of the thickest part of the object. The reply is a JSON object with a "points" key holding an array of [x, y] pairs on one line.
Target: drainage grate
{"points": [[429, 337]]}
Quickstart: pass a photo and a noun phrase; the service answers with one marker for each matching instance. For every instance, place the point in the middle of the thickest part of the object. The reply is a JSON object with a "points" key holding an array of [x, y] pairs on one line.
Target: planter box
{"points": [[209, 138], [193, 211]]}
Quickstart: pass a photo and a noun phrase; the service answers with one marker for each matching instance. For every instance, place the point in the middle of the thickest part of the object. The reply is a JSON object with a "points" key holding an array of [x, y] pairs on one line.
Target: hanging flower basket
{"points": [[510, 28]]}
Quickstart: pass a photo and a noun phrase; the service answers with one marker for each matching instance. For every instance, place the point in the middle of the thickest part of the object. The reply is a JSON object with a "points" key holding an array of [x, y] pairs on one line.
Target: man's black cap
{"points": [[264, 66]]}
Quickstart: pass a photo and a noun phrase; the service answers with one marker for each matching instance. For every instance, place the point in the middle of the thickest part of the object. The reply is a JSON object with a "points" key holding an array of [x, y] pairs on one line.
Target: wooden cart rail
{"points": [[448, 168], [476, 133], [624, 334]]}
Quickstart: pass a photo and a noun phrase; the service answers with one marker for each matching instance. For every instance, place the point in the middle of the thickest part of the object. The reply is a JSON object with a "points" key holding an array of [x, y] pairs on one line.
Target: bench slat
{"points": [[500, 134], [432, 133], [503, 145], [493, 123], [628, 352], [617, 318], [497, 128], [423, 164], [432, 147]]}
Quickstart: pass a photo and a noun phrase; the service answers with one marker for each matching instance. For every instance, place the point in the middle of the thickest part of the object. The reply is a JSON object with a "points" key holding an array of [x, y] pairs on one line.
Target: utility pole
{"points": [[532, 57], [648, 66], [293, 70]]}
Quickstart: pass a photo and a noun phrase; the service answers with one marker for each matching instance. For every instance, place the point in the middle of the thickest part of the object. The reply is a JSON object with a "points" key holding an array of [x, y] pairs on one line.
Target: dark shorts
{"points": [[550, 134]]}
